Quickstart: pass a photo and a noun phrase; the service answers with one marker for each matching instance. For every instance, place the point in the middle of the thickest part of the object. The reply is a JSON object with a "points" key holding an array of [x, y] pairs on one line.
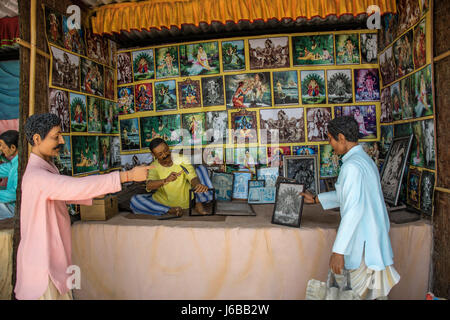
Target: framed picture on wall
{"points": [[125, 100], [109, 83], [166, 62], [64, 160], [212, 91], [313, 50], [413, 198], [129, 134], [143, 65], [269, 53], [369, 47], [313, 87], [282, 125], [340, 87], [245, 127], [233, 55], [285, 85], [248, 90], [78, 112], [59, 105], [367, 85], [85, 156], [65, 69], [317, 121], [165, 95], [95, 106], [365, 116], [288, 204], [92, 77], [426, 192], [304, 169], [124, 72], [189, 93], [143, 94], [199, 58], [347, 48], [165, 127]]}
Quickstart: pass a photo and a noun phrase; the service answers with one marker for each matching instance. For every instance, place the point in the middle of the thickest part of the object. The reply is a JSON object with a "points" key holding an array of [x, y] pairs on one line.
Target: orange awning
{"points": [[158, 14]]}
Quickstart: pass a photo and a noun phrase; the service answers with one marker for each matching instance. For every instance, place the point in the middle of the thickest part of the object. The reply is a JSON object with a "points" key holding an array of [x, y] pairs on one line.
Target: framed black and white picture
{"points": [[394, 168], [288, 204], [223, 184], [304, 169]]}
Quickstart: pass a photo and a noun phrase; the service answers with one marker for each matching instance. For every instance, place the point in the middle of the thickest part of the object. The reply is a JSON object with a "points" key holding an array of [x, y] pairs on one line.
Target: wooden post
{"points": [[32, 56]]}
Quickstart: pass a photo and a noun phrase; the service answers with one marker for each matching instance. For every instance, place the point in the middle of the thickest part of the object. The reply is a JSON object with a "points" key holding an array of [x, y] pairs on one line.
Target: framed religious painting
{"points": [[367, 85], [115, 151], [403, 55], [143, 65], [165, 95], [386, 136], [166, 127], [402, 130], [233, 55], [330, 162], [212, 91], [387, 66], [408, 14], [313, 87], [262, 156], [91, 77], [261, 195], [59, 105], [304, 169], [104, 153], [421, 95], [125, 100], [124, 69], [282, 125], [285, 88], [199, 59], [313, 50], [244, 127], [129, 161], [216, 127], [420, 45], [406, 98], [95, 107], [110, 117], [394, 167], [112, 46], [109, 83], [372, 150], [72, 37], [223, 185], [129, 134], [85, 156], [246, 158], [304, 150], [195, 124], [64, 160], [429, 150], [256, 183], [65, 72], [396, 102], [317, 121], [275, 156], [213, 156], [143, 94], [240, 185], [347, 49], [369, 47], [417, 156], [78, 112], [388, 29], [96, 47], [426, 192], [386, 106], [269, 53], [166, 62], [365, 116], [53, 25], [189, 94], [248, 90], [413, 198], [340, 86], [269, 175], [288, 204]]}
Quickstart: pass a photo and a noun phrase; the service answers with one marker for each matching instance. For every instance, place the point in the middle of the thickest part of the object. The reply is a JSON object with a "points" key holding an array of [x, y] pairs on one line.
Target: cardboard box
{"points": [[101, 209]]}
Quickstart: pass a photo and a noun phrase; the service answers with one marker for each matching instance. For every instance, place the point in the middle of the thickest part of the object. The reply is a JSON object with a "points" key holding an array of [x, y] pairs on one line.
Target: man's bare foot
{"points": [[176, 211], [199, 208]]}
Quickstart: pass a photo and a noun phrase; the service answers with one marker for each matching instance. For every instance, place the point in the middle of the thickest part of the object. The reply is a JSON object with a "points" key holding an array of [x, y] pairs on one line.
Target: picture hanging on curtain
{"points": [[387, 66], [396, 101], [386, 136], [313, 87], [64, 161], [199, 59], [414, 177], [143, 65], [313, 50], [73, 38], [129, 134], [388, 29], [95, 107], [115, 151], [189, 93], [65, 69], [406, 98], [408, 14], [212, 91], [125, 99], [124, 75], [269, 53], [426, 192], [347, 48], [365, 116], [91, 77], [195, 124], [109, 83], [422, 95], [330, 162], [59, 105], [304, 150], [285, 87], [420, 45], [167, 62], [166, 127], [143, 93], [233, 55], [165, 95], [53, 23], [110, 117], [78, 112], [403, 55], [340, 86], [386, 106], [248, 90], [85, 154], [369, 47], [217, 127], [428, 142], [282, 125], [367, 85], [317, 121], [104, 153], [245, 127], [96, 47]]}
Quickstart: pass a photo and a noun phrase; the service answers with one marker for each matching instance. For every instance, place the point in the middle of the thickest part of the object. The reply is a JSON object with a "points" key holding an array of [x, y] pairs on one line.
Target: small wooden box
{"points": [[101, 209]]}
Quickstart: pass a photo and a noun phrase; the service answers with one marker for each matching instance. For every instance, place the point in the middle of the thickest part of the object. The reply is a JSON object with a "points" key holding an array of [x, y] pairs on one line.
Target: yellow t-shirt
{"points": [[175, 193]]}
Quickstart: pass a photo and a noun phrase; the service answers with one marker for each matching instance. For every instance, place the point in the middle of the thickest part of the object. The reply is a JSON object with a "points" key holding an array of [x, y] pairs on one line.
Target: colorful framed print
{"points": [[91, 77], [422, 96], [129, 134], [109, 83], [78, 112], [386, 106], [262, 156], [330, 162], [417, 148], [248, 90], [166, 127], [269, 175], [115, 151], [124, 70], [396, 102], [420, 45], [428, 143], [317, 121], [167, 62], [112, 53], [408, 14], [387, 134], [129, 161], [240, 185], [213, 156], [125, 99], [59, 105], [313, 87], [365, 116], [285, 87], [165, 95], [367, 85], [282, 125], [403, 55], [143, 93], [261, 195], [143, 65], [304, 169], [189, 94], [275, 155], [304, 150], [104, 153], [340, 86], [217, 127], [369, 47], [372, 150], [95, 106], [85, 154], [269, 53], [313, 50], [73, 37], [212, 91], [387, 66], [195, 124], [199, 59], [65, 69], [246, 158], [426, 192], [245, 129], [110, 117], [53, 23], [96, 47], [347, 48], [406, 98], [233, 55], [288, 204], [223, 184], [64, 160], [413, 198]]}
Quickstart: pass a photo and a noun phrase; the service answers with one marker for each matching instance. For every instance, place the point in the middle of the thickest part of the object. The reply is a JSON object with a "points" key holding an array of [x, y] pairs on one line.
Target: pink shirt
{"points": [[45, 246]]}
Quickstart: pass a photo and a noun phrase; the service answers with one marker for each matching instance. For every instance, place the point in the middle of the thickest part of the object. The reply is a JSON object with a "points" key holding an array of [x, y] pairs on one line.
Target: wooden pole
{"points": [[31, 92]]}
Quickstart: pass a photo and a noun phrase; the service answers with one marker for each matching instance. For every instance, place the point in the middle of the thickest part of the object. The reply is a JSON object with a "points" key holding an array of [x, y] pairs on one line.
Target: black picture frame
{"points": [[282, 203], [303, 178]]}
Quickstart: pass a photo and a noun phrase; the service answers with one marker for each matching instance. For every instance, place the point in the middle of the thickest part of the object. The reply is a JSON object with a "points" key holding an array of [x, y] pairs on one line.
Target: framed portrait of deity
{"points": [[110, 117], [369, 47], [53, 24], [408, 14], [388, 29], [261, 195], [304, 150], [64, 160], [269, 175], [365, 116], [165, 95], [233, 55], [426, 192], [313, 87], [240, 185], [104, 150], [59, 105], [199, 59], [95, 107], [166, 61], [317, 121], [403, 55], [367, 85], [244, 127], [275, 156], [78, 112], [92, 77], [248, 90], [387, 66], [143, 65], [285, 85], [304, 169], [386, 106], [347, 48], [421, 92], [340, 86], [124, 69], [428, 144], [420, 45], [166, 127], [282, 125], [213, 156], [96, 46], [85, 156], [143, 97], [223, 184], [394, 167], [269, 53], [195, 125], [65, 71], [125, 100], [288, 204], [406, 98], [313, 50], [189, 94], [212, 91], [330, 162], [372, 150], [73, 38], [112, 46], [109, 83], [386, 136], [414, 179], [216, 127], [396, 101], [129, 134]]}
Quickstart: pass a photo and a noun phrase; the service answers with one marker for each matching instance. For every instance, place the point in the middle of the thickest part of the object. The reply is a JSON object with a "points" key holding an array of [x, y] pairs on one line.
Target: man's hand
{"points": [[172, 177], [200, 188], [139, 173], [307, 196], [337, 262]]}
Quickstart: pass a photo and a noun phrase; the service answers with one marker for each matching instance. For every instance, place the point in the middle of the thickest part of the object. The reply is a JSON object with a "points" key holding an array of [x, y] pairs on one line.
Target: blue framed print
{"points": [[223, 184], [240, 185], [261, 195], [269, 174]]}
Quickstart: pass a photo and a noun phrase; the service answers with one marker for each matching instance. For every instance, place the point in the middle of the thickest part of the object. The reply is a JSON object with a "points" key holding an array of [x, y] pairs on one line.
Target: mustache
{"points": [[166, 157], [59, 146]]}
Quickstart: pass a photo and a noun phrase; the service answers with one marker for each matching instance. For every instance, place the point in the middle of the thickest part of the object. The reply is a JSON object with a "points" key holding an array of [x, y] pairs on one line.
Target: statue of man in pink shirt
{"points": [[45, 247]]}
